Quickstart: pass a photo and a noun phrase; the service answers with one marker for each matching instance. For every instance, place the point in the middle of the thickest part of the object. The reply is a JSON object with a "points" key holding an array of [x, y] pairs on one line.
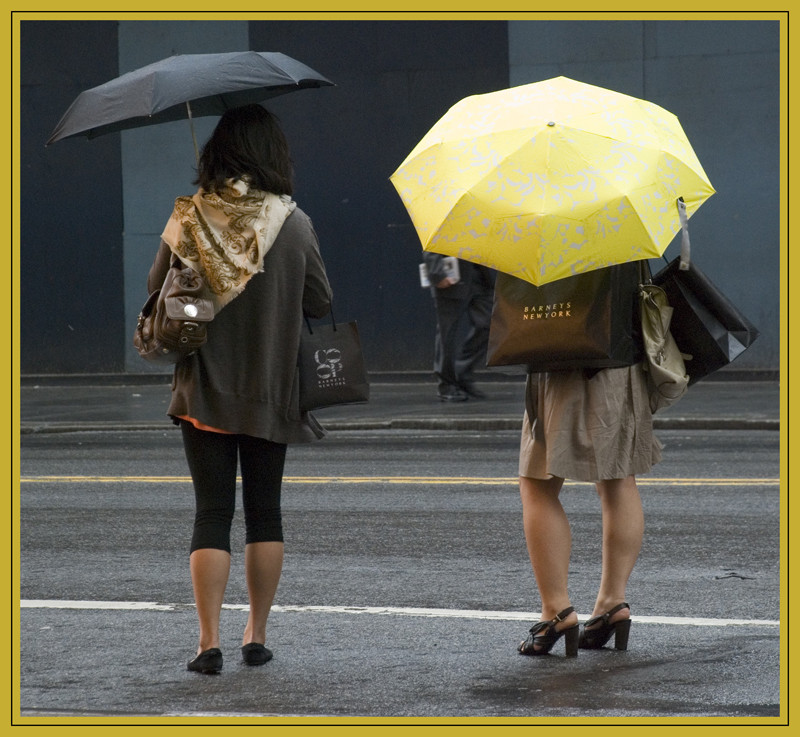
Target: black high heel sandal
{"points": [[593, 638], [543, 635]]}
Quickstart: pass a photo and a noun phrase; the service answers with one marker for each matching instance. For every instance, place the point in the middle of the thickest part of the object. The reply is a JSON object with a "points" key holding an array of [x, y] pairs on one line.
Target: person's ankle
{"points": [[607, 605], [569, 620], [249, 637]]}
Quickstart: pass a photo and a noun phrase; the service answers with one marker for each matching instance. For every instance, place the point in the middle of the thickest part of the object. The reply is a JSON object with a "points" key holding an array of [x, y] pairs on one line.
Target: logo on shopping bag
{"points": [[547, 312], [330, 371]]}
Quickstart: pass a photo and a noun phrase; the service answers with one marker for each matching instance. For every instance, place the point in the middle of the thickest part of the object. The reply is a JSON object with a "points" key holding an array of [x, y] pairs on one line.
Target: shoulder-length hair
{"points": [[247, 142]]}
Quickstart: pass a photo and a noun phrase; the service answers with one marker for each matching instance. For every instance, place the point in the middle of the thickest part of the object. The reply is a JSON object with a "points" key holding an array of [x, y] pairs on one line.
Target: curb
{"points": [[499, 374], [440, 424]]}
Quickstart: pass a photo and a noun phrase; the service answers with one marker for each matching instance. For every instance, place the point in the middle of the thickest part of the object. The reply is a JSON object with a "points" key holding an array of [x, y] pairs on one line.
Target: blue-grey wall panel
{"points": [[71, 203], [158, 162], [721, 79]]}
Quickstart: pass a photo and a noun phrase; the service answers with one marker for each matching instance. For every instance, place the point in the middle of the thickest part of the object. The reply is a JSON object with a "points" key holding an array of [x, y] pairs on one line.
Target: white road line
{"points": [[391, 611], [402, 480]]}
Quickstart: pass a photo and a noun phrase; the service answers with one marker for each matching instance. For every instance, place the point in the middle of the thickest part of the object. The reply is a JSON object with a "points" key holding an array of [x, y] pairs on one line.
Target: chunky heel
{"points": [[621, 631], [543, 635], [597, 631], [571, 641]]}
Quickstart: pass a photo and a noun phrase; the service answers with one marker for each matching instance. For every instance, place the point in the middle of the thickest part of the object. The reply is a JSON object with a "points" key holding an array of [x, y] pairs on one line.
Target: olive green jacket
{"points": [[244, 379]]}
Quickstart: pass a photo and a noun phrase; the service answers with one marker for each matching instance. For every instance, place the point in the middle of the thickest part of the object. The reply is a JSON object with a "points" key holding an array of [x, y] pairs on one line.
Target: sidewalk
{"points": [[397, 402]]}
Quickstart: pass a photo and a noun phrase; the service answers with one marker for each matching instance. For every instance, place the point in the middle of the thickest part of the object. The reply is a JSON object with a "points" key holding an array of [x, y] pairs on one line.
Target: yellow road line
{"points": [[407, 480]]}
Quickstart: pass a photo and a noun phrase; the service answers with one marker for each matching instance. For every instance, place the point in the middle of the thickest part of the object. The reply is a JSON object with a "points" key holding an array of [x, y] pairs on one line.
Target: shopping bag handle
{"points": [[333, 322]]}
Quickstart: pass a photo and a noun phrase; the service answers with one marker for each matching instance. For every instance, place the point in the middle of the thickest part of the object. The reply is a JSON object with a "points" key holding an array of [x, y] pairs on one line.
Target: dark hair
{"points": [[247, 141]]}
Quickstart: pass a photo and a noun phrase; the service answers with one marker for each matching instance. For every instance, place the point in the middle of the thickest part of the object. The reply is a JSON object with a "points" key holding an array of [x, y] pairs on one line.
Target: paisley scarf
{"points": [[225, 235]]}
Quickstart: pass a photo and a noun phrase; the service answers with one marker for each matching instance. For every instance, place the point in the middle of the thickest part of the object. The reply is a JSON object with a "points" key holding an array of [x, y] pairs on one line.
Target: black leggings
{"points": [[212, 458]]}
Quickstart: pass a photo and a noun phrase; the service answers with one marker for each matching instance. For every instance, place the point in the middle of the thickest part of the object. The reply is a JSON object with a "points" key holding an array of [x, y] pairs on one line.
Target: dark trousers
{"points": [[461, 337], [213, 460]]}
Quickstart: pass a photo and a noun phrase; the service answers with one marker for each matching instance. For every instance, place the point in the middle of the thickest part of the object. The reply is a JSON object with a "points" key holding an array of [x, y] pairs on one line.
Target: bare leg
{"points": [[209, 568], [263, 563], [549, 541], [623, 528]]}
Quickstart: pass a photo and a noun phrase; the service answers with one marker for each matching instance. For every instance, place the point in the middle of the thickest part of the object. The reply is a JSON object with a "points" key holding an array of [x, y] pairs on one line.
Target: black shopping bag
{"points": [[331, 366], [589, 320], [705, 323]]}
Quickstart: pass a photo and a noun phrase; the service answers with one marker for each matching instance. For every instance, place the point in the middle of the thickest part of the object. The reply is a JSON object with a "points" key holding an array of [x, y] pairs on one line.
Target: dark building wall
{"points": [[394, 81], [71, 207]]}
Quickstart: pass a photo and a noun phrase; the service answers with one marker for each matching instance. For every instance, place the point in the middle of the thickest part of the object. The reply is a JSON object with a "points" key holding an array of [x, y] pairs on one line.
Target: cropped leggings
{"points": [[213, 458]]}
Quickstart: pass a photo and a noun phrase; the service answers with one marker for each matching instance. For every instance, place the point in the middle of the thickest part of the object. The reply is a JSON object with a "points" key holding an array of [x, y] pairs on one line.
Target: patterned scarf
{"points": [[224, 236]]}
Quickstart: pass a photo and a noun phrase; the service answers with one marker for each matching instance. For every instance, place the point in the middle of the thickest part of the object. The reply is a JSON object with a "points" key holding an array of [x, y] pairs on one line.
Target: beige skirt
{"points": [[588, 429]]}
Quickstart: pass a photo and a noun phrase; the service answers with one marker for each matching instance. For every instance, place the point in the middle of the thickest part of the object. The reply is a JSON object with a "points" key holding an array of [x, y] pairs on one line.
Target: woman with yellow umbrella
{"points": [[586, 427], [544, 181]]}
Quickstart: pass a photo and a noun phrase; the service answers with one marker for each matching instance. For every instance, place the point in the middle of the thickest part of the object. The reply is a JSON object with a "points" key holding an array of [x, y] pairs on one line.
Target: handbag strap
{"points": [[645, 274]]}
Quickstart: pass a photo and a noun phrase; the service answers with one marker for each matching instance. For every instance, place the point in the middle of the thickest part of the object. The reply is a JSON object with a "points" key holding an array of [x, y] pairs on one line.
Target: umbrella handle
{"points": [[194, 137], [685, 245]]}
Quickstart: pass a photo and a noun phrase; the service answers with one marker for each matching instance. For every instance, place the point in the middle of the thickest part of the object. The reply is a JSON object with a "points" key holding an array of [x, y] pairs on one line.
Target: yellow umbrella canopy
{"points": [[551, 179]]}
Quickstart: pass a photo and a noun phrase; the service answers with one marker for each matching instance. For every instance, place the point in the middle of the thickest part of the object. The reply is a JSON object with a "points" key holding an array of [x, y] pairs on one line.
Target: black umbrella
{"points": [[188, 85]]}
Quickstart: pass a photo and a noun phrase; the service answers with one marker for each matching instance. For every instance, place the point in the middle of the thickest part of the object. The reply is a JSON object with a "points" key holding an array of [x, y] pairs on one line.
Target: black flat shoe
{"points": [[543, 635], [595, 637], [208, 661], [255, 653]]}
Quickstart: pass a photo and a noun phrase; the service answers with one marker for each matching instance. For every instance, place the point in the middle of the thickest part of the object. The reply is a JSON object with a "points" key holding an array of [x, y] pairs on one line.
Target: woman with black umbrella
{"points": [[236, 398]]}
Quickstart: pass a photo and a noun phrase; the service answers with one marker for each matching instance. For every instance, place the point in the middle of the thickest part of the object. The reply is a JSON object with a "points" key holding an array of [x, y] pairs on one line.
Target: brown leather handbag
{"points": [[173, 322]]}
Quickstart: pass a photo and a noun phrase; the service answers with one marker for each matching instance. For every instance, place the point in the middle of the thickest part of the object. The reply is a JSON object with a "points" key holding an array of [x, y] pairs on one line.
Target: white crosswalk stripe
{"points": [[384, 611]]}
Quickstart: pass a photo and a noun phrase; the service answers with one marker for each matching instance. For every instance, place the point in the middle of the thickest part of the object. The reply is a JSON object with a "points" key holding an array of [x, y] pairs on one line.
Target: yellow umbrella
{"points": [[551, 179]]}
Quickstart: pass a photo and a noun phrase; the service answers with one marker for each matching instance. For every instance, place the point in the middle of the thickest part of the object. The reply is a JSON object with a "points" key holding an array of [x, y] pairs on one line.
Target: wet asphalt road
{"points": [[406, 584]]}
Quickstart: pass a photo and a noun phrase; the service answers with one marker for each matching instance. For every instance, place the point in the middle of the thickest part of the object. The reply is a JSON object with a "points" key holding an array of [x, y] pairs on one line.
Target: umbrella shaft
{"points": [[194, 137]]}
